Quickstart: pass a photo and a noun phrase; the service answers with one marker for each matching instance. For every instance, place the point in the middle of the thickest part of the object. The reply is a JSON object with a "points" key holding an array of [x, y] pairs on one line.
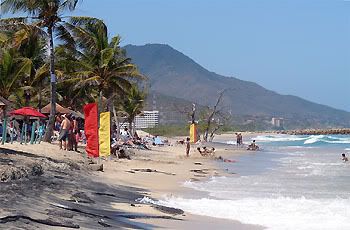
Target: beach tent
{"points": [[59, 109]]}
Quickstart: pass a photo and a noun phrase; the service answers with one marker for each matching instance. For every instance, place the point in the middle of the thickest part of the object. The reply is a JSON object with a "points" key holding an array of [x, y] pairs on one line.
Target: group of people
{"points": [[239, 139], [69, 133], [206, 152], [125, 139], [253, 146], [15, 130]]}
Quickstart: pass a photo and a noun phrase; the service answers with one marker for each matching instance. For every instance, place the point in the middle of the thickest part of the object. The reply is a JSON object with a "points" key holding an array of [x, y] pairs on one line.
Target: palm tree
{"points": [[45, 14], [101, 65], [132, 104], [30, 42], [12, 70]]}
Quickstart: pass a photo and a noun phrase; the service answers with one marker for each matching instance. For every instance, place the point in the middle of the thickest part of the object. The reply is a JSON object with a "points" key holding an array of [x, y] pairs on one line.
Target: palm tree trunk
{"points": [[116, 121], [40, 97], [49, 128], [130, 127]]}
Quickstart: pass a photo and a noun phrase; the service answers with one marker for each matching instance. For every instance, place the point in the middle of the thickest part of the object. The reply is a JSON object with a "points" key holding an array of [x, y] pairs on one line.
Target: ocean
{"points": [[295, 182]]}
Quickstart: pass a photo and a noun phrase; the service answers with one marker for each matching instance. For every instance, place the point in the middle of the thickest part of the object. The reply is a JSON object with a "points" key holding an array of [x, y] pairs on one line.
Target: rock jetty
{"points": [[342, 131]]}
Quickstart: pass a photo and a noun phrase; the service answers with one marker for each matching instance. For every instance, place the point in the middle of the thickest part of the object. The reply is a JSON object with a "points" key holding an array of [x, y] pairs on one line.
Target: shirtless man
{"points": [[65, 125]]}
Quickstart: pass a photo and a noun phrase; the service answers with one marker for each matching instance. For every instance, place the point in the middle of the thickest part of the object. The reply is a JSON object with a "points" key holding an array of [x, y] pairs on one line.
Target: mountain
{"points": [[175, 75]]}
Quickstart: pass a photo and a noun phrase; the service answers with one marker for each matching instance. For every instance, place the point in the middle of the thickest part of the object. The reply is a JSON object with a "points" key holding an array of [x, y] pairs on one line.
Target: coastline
{"points": [[155, 173], [171, 160]]}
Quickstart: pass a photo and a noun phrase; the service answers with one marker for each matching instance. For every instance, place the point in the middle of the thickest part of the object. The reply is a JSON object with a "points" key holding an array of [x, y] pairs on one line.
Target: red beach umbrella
{"points": [[28, 111]]}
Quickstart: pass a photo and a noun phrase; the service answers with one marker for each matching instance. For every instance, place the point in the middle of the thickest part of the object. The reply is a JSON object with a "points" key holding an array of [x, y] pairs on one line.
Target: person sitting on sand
{"points": [[253, 146], [206, 152], [344, 158]]}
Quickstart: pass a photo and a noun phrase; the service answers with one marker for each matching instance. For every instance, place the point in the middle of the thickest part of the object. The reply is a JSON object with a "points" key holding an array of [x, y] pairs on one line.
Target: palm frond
{"points": [[68, 5], [65, 36]]}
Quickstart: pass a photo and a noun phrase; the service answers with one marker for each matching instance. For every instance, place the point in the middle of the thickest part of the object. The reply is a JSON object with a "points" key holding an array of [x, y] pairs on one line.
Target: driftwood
{"points": [[153, 170], [103, 223], [48, 222], [108, 214], [201, 171], [168, 210], [105, 194]]}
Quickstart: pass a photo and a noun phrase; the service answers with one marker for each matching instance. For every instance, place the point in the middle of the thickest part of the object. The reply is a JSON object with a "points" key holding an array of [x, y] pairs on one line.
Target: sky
{"points": [[296, 47]]}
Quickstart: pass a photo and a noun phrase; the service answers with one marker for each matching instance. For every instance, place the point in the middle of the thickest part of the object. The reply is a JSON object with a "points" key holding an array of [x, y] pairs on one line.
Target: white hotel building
{"points": [[148, 119]]}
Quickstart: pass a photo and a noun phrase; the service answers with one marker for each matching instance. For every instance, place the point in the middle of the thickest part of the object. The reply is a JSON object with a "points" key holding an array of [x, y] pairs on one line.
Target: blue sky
{"points": [[298, 47]]}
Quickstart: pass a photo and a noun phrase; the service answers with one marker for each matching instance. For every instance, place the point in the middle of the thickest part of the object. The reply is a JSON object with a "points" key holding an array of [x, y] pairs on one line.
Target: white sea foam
{"points": [[231, 143], [313, 139], [278, 138], [282, 213], [306, 140]]}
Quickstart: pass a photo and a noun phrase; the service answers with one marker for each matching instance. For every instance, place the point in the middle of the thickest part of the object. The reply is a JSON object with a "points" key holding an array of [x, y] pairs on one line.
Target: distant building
{"points": [[277, 122], [148, 119]]}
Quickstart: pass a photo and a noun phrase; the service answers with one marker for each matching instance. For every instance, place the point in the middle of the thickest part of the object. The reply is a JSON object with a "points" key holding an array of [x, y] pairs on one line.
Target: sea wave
{"points": [[282, 213], [279, 138], [304, 140]]}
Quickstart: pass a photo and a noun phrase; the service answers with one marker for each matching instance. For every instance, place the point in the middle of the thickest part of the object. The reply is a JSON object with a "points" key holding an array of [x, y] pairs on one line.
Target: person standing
{"points": [[240, 139], [63, 137], [188, 147], [75, 133]]}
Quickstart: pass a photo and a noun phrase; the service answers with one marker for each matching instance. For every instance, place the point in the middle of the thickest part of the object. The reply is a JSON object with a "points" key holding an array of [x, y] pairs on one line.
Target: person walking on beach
{"points": [[65, 125], [188, 147]]}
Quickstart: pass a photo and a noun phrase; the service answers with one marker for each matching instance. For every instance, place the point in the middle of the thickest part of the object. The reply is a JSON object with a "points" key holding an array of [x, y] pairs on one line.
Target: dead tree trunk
{"points": [[211, 116]]}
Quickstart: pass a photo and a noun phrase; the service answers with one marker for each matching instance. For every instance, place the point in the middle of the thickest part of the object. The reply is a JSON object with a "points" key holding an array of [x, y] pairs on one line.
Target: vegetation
{"points": [[132, 105], [169, 130], [89, 65]]}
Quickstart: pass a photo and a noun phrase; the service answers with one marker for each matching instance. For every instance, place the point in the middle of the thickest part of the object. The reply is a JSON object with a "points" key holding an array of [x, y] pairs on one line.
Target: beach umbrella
{"points": [[28, 112]]}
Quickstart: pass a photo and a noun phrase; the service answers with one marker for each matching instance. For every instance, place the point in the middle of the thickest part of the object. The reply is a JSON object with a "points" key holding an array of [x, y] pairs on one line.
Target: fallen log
{"points": [[108, 214], [168, 210], [153, 170], [48, 222]]}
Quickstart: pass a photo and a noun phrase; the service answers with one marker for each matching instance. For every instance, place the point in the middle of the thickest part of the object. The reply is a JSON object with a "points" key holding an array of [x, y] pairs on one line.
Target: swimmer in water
{"points": [[344, 158]]}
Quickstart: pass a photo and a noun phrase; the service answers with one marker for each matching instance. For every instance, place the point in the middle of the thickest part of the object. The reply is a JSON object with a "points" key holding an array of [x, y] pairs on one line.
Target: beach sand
{"points": [[70, 191]]}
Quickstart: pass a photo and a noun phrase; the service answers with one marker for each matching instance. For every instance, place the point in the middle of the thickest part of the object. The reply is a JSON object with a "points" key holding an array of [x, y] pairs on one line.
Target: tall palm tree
{"points": [[132, 104], [45, 14], [101, 64]]}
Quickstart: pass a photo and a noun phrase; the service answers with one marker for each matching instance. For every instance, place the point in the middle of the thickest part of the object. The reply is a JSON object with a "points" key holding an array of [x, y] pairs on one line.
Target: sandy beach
{"points": [[69, 191]]}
